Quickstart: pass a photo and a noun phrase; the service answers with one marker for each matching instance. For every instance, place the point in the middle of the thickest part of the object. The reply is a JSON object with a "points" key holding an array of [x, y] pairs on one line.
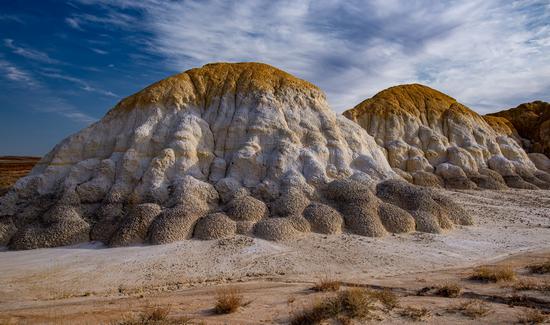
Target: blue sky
{"points": [[63, 64]]}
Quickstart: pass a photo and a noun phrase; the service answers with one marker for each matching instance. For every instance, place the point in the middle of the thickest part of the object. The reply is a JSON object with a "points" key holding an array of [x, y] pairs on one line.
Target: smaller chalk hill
{"points": [[431, 139], [530, 124]]}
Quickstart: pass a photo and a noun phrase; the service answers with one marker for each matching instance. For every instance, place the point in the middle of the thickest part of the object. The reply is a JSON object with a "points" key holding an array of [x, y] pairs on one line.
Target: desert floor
{"points": [[91, 284], [12, 168]]}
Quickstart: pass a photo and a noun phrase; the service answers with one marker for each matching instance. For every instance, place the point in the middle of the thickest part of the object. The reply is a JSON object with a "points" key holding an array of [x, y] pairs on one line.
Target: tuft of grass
{"points": [[356, 303], [353, 303], [387, 298], [472, 309], [416, 314], [532, 316], [539, 268], [493, 274], [530, 284], [449, 290], [152, 316], [228, 300], [327, 284]]}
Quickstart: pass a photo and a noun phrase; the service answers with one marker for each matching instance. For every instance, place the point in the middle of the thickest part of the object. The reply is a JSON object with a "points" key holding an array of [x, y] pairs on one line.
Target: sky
{"points": [[64, 64]]}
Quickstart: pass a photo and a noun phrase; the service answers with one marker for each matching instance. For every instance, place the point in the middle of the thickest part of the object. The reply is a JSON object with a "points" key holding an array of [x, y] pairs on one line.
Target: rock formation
{"points": [[216, 151], [531, 124], [431, 139]]}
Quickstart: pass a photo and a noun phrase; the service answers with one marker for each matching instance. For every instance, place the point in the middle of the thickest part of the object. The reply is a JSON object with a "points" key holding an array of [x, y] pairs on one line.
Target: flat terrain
{"points": [[12, 168], [90, 284]]}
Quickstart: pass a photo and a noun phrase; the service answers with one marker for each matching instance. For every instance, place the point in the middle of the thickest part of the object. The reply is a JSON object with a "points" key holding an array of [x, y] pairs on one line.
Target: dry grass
{"points": [[153, 316], [531, 284], [327, 284], [532, 316], [228, 300], [540, 268], [493, 274], [416, 314], [387, 298], [349, 304], [472, 309], [449, 290]]}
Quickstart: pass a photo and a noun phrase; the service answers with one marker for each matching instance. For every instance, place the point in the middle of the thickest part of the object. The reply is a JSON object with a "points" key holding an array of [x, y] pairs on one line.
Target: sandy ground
{"points": [[91, 284]]}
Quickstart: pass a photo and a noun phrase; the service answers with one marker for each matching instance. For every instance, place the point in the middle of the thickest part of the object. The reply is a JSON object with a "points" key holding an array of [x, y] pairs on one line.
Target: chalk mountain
{"points": [[216, 151]]}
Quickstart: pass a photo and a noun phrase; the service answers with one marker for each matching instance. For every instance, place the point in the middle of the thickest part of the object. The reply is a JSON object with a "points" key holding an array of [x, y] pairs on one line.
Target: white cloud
{"points": [[45, 101], [14, 73], [489, 54], [99, 51], [28, 52], [73, 22], [14, 18], [81, 83]]}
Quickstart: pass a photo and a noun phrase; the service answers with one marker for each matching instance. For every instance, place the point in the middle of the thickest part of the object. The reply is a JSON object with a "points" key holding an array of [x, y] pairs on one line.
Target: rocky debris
{"points": [[60, 225], [217, 151], [530, 123], [215, 226], [246, 208], [135, 225], [174, 224], [324, 219], [276, 229], [432, 212], [432, 140]]}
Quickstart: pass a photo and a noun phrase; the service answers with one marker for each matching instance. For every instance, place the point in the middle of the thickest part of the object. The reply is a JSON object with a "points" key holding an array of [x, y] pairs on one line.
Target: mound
{"points": [[246, 138], [432, 140], [532, 122]]}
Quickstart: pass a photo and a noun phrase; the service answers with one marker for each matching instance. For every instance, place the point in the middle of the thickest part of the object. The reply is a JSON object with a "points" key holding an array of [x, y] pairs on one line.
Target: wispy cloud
{"points": [[489, 54], [56, 105], [73, 22], [29, 53], [111, 18], [81, 83], [99, 51], [14, 18], [45, 100], [15, 73]]}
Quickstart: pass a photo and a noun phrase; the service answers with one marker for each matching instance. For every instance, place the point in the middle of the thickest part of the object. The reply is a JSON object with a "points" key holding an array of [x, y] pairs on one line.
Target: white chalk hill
{"points": [[433, 140], [221, 150]]}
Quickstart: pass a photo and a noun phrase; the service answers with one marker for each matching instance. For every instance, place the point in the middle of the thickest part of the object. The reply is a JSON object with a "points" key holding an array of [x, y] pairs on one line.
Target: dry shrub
{"points": [[327, 284], [387, 298], [152, 316], [228, 300], [449, 290], [416, 314], [530, 284], [493, 274], [540, 268], [532, 316], [352, 303], [472, 309]]}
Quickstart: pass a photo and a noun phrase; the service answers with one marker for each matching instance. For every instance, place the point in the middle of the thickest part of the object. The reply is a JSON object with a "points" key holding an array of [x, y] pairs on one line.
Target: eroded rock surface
{"points": [[531, 121], [432, 140], [212, 152]]}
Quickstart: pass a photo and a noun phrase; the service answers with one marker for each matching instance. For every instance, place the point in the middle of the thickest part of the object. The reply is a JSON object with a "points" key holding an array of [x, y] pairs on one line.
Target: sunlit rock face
{"points": [[431, 139], [213, 152], [532, 122]]}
